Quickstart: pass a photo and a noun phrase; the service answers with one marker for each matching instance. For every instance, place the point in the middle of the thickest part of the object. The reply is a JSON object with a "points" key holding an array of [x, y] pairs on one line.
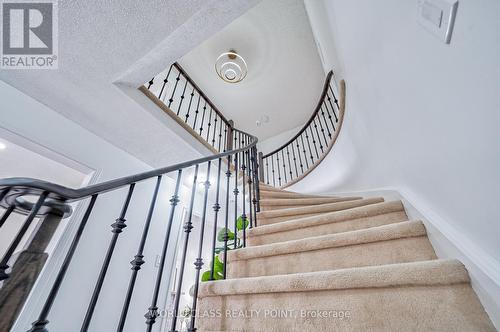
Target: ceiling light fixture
{"points": [[2, 146], [231, 67]]}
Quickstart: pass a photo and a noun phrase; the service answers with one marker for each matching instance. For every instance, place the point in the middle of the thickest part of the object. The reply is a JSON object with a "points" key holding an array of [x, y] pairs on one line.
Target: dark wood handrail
{"points": [[306, 125]]}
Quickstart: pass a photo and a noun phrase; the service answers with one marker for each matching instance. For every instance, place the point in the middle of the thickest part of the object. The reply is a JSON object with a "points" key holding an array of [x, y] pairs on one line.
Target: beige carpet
{"points": [[338, 264]]}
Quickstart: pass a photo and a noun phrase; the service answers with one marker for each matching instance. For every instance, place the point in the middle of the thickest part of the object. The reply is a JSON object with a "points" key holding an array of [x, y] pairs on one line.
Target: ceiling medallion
{"points": [[231, 67]]}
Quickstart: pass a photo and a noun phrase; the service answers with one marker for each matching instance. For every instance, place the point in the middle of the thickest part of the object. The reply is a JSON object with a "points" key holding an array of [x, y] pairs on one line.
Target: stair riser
{"points": [[400, 250], [419, 308], [328, 228], [266, 188], [313, 211], [315, 202], [275, 194]]}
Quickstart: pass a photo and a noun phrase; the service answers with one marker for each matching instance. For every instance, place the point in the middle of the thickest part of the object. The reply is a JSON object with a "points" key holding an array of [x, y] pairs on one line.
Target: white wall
{"points": [[36, 122], [421, 117], [275, 142]]}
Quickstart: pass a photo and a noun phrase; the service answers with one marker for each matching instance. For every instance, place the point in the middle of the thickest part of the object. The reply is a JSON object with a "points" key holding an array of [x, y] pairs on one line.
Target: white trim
{"points": [[46, 152], [487, 263]]}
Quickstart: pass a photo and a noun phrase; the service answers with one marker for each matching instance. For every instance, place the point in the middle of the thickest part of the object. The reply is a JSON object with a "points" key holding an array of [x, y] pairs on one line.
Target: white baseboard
{"points": [[448, 242]]}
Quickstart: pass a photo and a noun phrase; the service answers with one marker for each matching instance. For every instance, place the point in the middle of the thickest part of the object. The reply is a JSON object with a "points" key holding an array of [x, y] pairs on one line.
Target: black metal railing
{"points": [[185, 100], [238, 188], [233, 196], [300, 154]]}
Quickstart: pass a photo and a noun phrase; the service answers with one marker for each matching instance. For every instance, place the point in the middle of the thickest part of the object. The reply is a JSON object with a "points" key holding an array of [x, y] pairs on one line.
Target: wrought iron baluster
{"points": [[203, 117], [318, 137], [189, 105], [138, 259], [251, 187], [289, 162], [329, 114], [335, 100], [177, 79], [199, 260], [251, 196], [243, 196], [225, 138], [272, 171], [284, 164], [235, 192], [4, 266], [226, 221], [150, 83], [336, 103], [292, 145], [117, 226], [215, 130], [322, 131], [220, 135], [165, 81], [41, 322], [326, 123], [278, 167], [196, 112], [304, 150], [216, 209], [152, 313], [187, 229], [299, 156], [209, 124], [256, 181], [314, 143], [267, 170], [182, 98]]}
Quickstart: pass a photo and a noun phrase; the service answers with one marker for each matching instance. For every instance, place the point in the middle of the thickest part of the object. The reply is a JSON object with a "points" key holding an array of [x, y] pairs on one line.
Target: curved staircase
{"points": [[301, 262], [338, 264]]}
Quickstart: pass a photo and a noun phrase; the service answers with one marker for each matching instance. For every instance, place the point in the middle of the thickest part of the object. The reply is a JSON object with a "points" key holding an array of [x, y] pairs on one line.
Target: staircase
{"points": [[300, 262], [338, 264]]}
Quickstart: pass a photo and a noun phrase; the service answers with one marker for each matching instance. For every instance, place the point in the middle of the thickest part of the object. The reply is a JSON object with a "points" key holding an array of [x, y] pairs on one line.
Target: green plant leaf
{"points": [[218, 265], [222, 232], [239, 223], [218, 276], [205, 276]]}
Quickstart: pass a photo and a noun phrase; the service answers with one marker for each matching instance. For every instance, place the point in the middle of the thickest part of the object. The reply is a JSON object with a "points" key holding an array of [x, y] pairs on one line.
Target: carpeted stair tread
{"points": [[270, 204], [273, 216], [286, 194], [373, 234], [424, 273], [354, 213]]}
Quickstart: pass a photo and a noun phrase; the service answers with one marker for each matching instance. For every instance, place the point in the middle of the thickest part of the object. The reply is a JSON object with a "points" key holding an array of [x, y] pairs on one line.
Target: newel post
{"points": [[230, 136], [261, 169]]}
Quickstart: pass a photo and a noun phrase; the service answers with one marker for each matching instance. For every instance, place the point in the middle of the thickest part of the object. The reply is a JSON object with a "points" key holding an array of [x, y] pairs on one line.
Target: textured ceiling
{"points": [[285, 75], [126, 41]]}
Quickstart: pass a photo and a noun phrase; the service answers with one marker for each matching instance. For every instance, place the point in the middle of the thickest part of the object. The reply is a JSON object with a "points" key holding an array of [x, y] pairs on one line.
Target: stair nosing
{"points": [[266, 201], [343, 215], [290, 211], [438, 272], [403, 230]]}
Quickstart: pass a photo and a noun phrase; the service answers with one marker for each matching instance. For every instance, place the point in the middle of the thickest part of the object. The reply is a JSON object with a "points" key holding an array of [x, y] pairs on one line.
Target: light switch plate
{"points": [[438, 17]]}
